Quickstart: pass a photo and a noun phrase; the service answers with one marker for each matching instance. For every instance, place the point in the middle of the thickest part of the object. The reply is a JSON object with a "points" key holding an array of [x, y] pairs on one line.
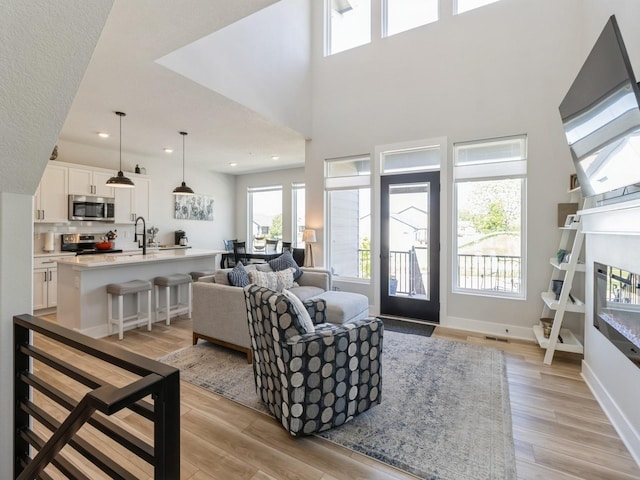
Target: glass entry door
{"points": [[409, 249]]}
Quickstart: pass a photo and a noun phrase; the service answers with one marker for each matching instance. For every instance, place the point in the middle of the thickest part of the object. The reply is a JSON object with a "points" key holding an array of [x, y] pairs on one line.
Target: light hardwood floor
{"points": [[560, 432]]}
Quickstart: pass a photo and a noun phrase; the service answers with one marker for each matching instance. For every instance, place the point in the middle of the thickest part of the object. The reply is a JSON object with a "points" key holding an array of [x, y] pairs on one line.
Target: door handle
{"points": [[45, 276], [50, 275]]}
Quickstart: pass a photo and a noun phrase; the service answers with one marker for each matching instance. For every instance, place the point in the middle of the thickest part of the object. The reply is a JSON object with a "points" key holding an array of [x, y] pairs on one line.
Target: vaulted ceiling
{"points": [[124, 74]]}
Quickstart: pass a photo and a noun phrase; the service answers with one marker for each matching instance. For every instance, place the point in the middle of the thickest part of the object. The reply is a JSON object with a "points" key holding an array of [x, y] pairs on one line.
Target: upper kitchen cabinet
{"points": [[84, 181], [132, 203], [51, 199]]}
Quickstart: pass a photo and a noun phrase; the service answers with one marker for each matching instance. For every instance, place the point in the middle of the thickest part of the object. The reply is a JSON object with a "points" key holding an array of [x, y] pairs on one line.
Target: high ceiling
{"points": [[123, 75]]}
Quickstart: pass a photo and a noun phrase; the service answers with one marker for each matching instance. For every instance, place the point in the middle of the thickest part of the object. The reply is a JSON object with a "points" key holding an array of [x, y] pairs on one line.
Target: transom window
{"points": [[461, 6], [402, 15], [348, 24]]}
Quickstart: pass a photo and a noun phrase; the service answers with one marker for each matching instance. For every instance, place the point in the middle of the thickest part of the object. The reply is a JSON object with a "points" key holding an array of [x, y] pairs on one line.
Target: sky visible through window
{"points": [[403, 15], [466, 5]]}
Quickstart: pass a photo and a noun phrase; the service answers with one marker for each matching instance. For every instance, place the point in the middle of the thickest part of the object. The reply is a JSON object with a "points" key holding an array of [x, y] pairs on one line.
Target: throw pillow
{"points": [[303, 322], [277, 281], [239, 277], [285, 261]]}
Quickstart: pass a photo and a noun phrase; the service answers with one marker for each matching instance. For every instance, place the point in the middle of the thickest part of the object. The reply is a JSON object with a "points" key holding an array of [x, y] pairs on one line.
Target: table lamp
{"points": [[308, 237]]}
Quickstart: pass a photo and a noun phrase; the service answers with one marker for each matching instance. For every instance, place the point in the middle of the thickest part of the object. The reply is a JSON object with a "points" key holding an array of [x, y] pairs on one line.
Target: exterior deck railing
{"points": [[35, 397], [489, 272], [478, 272]]}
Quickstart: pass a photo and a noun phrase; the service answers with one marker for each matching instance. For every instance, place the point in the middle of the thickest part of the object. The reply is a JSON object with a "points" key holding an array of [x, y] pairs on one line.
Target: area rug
{"points": [[445, 411]]}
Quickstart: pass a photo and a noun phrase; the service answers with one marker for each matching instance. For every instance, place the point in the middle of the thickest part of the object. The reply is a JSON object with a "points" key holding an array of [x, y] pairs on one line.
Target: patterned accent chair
{"points": [[312, 381]]}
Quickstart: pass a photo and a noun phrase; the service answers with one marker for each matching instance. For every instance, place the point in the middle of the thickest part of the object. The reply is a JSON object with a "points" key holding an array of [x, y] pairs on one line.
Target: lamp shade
{"points": [[309, 236], [183, 189], [120, 180]]}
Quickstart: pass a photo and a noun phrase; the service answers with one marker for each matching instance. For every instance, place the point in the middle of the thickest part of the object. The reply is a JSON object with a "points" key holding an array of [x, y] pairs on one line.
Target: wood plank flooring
{"points": [[560, 432]]}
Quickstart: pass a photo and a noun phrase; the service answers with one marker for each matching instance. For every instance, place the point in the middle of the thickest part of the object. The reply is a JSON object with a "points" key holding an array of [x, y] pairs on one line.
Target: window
{"points": [[410, 160], [298, 222], [265, 215], [402, 15], [348, 24], [461, 6], [490, 190], [348, 190]]}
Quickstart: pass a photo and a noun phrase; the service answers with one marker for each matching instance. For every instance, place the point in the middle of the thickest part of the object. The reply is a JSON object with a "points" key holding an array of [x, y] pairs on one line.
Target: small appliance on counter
{"points": [[87, 244], [48, 242], [179, 235]]}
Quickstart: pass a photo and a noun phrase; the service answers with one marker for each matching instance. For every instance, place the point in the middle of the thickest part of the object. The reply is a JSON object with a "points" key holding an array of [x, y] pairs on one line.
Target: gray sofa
{"points": [[220, 312]]}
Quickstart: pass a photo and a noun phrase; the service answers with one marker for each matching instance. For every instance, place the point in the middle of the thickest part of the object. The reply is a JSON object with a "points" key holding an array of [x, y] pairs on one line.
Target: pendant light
{"points": [[183, 189], [120, 180]]}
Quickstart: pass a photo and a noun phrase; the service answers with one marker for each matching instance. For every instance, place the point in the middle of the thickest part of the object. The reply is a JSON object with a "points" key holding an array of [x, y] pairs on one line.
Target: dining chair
{"points": [[286, 247], [239, 253], [271, 246]]}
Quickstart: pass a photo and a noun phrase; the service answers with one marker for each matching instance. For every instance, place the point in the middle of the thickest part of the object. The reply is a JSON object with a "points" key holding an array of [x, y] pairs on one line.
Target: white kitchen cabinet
{"points": [[51, 198], [86, 181], [45, 283], [132, 203]]}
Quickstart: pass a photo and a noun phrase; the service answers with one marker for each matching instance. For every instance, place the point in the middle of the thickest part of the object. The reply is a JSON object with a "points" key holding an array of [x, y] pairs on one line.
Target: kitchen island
{"points": [[83, 280]]}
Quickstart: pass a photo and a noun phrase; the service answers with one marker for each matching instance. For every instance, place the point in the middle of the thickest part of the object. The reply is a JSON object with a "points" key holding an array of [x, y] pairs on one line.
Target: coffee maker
{"points": [[179, 234]]}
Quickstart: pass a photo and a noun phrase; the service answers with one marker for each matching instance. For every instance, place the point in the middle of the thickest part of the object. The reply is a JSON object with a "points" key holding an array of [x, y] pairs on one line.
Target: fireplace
{"points": [[616, 308]]}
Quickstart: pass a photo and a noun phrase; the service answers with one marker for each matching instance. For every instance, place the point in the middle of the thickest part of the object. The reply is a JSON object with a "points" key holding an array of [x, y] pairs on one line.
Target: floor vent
{"points": [[496, 339]]}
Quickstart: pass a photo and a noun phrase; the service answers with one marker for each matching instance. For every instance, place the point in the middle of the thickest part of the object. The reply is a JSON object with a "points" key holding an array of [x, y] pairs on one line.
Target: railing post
{"points": [[167, 428], [20, 394]]}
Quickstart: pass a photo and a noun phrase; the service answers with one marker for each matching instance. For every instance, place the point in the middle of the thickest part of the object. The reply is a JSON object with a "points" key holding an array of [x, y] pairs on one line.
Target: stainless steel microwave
{"points": [[89, 208]]}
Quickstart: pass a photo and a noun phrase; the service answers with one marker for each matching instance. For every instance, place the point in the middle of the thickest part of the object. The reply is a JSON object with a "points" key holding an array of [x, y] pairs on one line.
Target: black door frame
{"points": [[418, 309]]}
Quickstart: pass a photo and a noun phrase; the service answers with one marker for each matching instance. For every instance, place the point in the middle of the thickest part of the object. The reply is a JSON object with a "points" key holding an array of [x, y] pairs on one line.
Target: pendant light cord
{"points": [[120, 143]]}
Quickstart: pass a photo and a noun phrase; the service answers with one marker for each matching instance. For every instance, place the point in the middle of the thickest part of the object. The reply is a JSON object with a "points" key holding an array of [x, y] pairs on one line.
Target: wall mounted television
{"points": [[601, 118]]}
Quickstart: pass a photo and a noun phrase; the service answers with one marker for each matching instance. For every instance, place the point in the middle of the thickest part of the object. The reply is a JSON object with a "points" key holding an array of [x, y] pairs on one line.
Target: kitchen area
{"points": [[88, 234]]}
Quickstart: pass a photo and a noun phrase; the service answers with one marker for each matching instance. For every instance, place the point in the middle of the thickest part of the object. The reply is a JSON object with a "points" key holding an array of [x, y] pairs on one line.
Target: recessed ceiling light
{"points": [[275, 157], [103, 134], [233, 164], [168, 150]]}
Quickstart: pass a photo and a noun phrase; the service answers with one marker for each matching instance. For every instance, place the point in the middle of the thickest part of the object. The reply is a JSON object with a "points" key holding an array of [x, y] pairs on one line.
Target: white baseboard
{"points": [[625, 429], [501, 330]]}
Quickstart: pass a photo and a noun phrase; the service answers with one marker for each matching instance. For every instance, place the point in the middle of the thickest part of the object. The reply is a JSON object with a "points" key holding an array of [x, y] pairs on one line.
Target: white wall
{"points": [[261, 61], [266, 179], [498, 70], [44, 50], [165, 173], [613, 378]]}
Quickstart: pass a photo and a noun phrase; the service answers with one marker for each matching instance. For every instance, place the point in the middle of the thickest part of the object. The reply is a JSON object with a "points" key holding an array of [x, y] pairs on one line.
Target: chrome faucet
{"points": [[144, 234]]}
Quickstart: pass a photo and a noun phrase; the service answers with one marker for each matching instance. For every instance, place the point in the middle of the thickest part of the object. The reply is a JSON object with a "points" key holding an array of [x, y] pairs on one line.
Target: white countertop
{"points": [[133, 258], [54, 254]]}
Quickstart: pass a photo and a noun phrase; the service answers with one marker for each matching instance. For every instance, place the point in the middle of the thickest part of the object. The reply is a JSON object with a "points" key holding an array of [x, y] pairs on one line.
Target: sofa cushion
{"points": [[277, 281], [283, 262], [222, 276], [343, 307], [238, 276], [303, 320], [306, 292]]}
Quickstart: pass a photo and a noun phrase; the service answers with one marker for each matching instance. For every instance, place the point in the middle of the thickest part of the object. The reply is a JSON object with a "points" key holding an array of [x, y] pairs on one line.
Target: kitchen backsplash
{"points": [[124, 240]]}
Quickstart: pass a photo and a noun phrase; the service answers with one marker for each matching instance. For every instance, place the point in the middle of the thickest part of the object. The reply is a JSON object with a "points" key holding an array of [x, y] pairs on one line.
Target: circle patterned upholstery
{"points": [[312, 381]]}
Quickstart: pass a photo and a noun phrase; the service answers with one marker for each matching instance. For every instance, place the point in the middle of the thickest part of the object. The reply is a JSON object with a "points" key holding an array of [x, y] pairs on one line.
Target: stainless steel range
{"points": [[84, 244]]}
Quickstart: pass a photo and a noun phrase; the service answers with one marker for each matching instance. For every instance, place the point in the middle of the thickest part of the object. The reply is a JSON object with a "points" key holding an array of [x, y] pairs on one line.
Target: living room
{"points": [[493, 75]]}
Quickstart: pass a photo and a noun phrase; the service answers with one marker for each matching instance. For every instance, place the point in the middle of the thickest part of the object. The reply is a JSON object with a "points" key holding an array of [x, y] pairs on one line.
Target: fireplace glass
{"points": [[617, 308]]}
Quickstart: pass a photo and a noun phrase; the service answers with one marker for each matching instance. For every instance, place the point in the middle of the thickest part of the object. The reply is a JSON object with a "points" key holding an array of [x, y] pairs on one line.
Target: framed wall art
{"points": [[193, 207]]}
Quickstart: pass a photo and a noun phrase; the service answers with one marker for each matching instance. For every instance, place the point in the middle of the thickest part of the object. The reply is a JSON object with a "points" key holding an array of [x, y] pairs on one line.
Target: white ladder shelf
{"points": [[562, 339]]}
